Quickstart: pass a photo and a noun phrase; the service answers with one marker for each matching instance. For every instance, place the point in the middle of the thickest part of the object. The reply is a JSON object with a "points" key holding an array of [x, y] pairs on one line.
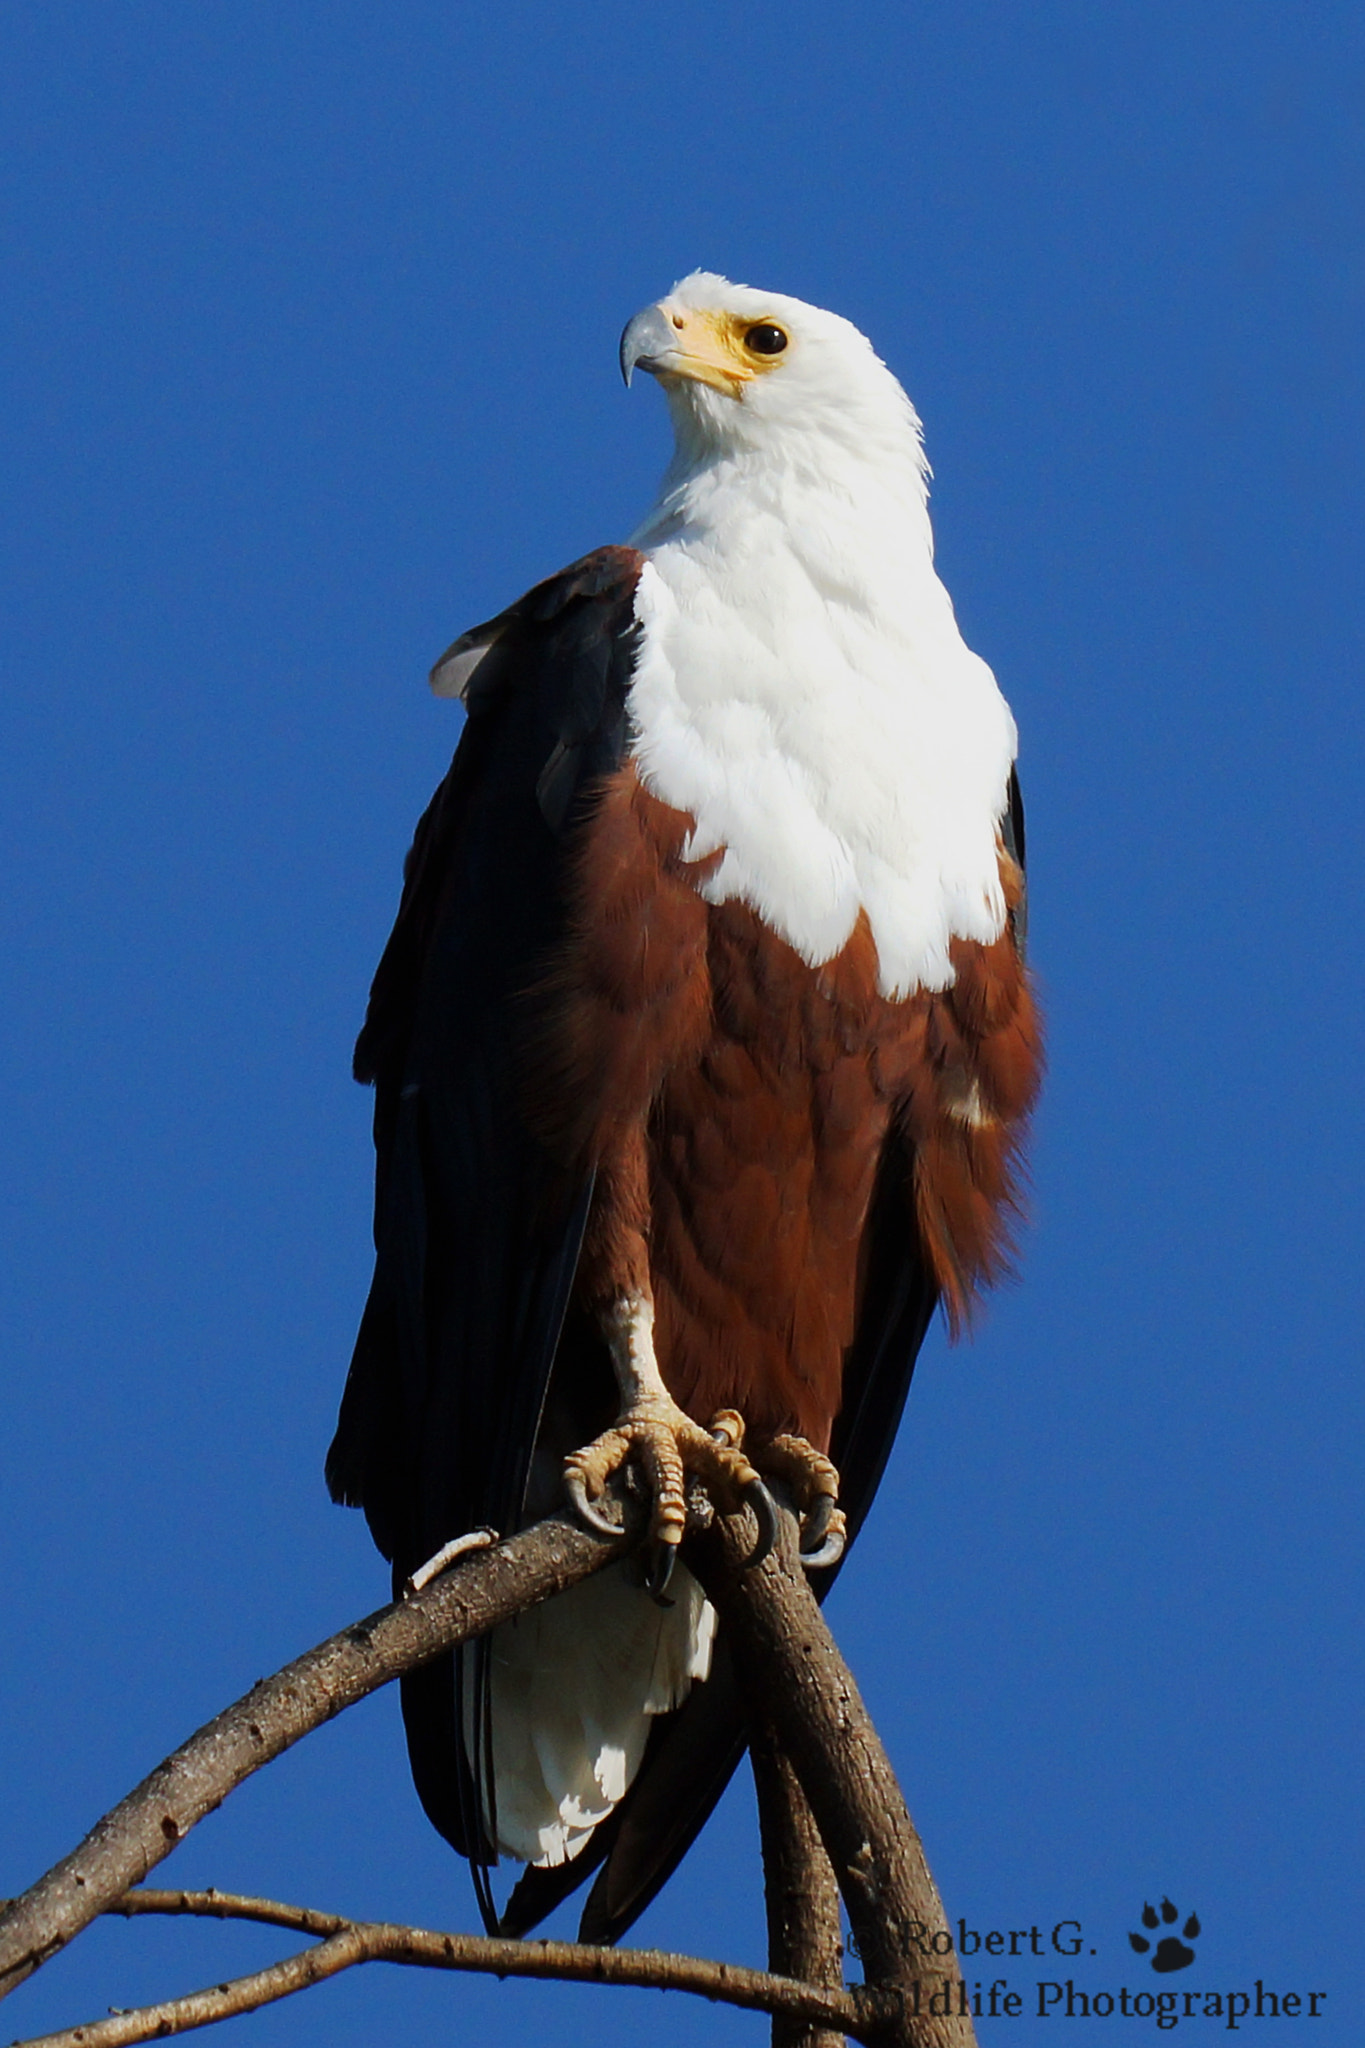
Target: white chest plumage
{"points": [[803, 692]]}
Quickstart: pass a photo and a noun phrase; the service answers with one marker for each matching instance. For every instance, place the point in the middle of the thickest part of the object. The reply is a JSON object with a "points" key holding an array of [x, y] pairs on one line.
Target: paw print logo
{"points": [[1171, 1952]]}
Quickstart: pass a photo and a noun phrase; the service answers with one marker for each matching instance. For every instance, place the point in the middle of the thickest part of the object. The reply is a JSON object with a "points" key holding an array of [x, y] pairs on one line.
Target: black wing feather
{"points": [[477, 1230]]}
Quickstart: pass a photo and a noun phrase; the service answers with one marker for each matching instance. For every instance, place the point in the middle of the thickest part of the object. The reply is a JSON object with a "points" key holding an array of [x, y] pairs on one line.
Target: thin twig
{"points": [[215, 1905], [478, 1593], [346, 1943]]}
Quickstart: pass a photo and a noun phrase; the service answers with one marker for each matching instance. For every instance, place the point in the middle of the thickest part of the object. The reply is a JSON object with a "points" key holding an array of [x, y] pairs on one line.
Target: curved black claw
{"points": [[576, 1488], [659, 1571], [765, 1513], [815, 1526], [824, 1535]]}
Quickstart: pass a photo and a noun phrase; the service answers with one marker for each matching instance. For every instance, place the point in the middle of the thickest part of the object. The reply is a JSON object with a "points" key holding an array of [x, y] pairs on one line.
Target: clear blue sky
{"points": [[308, 323]]}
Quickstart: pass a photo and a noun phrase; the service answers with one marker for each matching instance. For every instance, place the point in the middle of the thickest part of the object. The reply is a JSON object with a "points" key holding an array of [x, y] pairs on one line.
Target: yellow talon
{"points": [[670, 1447]]}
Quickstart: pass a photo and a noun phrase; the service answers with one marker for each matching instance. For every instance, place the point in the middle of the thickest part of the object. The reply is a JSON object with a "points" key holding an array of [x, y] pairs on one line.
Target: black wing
{"points": [[477, 1230]]}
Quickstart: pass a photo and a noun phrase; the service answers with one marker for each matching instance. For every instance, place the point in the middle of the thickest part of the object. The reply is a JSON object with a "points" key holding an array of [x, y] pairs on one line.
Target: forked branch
{"points": [[482, 1590], [794, 1674], [791, 1668], [344, 1943]]}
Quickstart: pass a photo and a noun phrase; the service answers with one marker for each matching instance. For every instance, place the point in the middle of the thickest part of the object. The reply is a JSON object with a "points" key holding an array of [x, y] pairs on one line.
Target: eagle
{"points": [[703, 1050]]}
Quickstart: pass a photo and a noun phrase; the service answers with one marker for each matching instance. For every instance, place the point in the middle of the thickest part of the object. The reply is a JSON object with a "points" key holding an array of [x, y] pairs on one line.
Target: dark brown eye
{"points": [[765, 339]]}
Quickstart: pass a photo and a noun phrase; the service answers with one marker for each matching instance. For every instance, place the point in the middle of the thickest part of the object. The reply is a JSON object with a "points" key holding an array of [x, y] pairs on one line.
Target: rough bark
{"points": [[799, 1891], [342, 1944], [789, 1662], [802, 1690], [483, 1589]]}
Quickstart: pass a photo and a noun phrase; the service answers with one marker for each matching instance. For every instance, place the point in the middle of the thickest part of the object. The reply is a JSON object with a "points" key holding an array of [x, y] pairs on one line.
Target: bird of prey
{"points": [[703, 1048]]}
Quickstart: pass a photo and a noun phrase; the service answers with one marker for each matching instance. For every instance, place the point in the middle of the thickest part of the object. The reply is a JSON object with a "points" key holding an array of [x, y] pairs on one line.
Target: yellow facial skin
{"points": [[714, 350]]}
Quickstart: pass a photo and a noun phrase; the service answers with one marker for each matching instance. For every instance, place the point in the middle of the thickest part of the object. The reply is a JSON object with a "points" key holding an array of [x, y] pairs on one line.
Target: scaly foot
{"points": [[814, 1486], [669, 1445], [671, 1448]]}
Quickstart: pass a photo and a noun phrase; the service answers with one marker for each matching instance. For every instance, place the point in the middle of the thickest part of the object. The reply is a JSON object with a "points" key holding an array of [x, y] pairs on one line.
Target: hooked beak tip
{"points": [[646, 341]]}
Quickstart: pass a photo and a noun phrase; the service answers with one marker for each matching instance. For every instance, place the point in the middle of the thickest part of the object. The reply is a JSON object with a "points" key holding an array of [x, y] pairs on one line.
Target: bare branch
{"points": [[790, 1664], [348, 1942], [798, 1887], [215, 1905], [473, 1597]]}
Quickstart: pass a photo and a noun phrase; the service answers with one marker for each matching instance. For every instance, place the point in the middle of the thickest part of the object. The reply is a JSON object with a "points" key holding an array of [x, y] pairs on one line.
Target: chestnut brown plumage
{"points": [[735, 1102]]}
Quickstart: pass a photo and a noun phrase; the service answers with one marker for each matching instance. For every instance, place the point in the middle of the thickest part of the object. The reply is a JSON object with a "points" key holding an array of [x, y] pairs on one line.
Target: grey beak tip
{"points": [[647, 341]]}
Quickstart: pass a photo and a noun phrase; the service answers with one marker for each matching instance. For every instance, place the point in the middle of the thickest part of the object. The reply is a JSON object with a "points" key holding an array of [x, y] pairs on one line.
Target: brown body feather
{"points": [[735, 1103]]}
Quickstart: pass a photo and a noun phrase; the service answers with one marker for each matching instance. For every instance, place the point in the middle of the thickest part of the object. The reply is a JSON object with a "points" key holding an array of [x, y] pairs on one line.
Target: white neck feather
{"points": [[804, 693]]}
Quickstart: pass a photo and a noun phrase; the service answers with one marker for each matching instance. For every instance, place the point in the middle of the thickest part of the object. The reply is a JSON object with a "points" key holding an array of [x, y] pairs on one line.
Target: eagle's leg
{"points": [[669, 1445], [813, 1483]]}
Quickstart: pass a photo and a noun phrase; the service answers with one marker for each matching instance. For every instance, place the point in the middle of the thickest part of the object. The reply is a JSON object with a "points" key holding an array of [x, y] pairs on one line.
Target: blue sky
{"points": [[308, 328]]}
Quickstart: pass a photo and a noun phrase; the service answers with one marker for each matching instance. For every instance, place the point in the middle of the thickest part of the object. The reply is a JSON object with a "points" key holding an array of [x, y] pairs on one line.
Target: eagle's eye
{"points": [[765, 339]]}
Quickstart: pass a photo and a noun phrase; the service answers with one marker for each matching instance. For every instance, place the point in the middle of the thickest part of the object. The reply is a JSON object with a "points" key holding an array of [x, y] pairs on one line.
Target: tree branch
{"points": [[475, 1595], [346, 1943], [791, 1668], [799, 1891]]}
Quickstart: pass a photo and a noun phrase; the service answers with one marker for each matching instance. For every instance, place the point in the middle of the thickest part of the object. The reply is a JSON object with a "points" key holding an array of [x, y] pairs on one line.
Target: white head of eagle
{"points": [[715, 348]]}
